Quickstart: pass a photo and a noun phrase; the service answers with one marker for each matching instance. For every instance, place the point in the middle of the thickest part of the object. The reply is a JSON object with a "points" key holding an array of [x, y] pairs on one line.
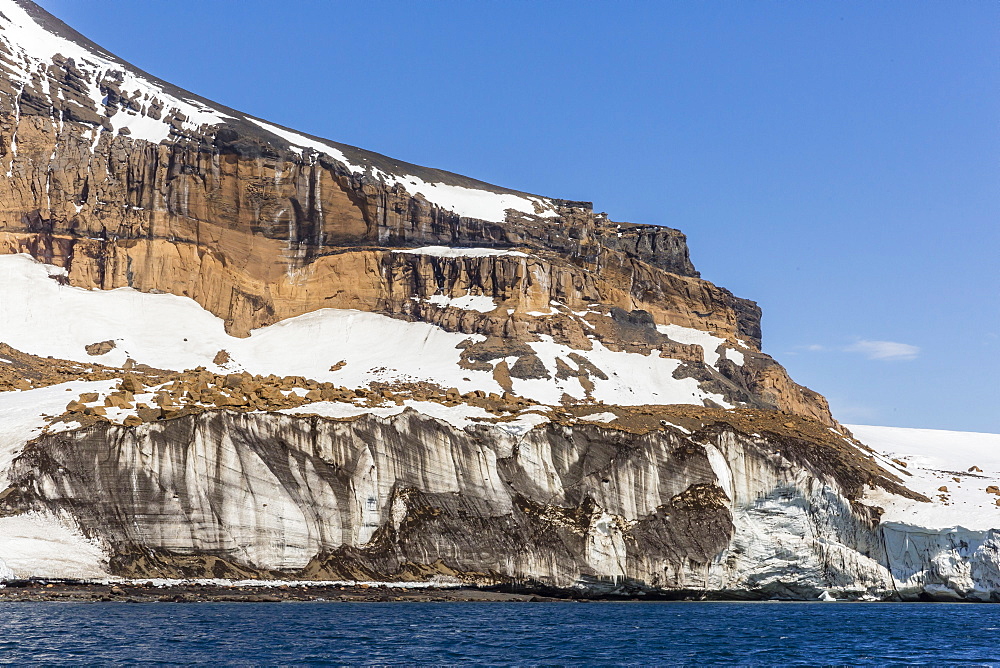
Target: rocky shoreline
{"points": [[32, 591], [68, 591]]}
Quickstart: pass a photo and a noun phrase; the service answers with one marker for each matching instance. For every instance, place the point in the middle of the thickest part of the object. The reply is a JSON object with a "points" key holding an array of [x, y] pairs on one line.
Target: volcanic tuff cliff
{"points": [[330, 363]]}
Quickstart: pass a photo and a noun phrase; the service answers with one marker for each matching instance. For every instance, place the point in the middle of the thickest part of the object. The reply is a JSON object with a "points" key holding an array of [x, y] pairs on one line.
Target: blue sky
{"points": [[838, 162]]}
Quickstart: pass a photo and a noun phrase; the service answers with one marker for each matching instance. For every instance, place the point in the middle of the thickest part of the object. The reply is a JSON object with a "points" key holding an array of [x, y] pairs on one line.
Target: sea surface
{"points": [[500, 633]]}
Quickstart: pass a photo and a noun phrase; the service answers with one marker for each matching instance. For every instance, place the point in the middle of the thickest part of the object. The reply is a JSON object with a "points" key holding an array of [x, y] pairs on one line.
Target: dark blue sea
{"points": [[500, 633]]}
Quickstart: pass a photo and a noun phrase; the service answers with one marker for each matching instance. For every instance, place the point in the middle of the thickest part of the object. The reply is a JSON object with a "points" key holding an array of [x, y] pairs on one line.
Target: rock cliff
{"points": [[230, 349]]}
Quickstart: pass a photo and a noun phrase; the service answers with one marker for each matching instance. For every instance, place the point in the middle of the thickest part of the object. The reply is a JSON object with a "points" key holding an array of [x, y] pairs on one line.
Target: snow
{"points": [[470, 202], [683, 430], [599, 417], [40, 545], [708, 342], [33, 49], [448, 251], [459, 416], [39, 316], [375, 347], [934, 458], [479, 303], [21, 414], [633, 378], [734, 356], [305, 142], [525, 422], [42, 317]]}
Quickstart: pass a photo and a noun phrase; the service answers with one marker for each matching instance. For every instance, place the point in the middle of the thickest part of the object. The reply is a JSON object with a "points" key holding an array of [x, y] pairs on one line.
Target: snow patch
{"points": [[480, 303], [470, 202], [709, 342], [735, 356], [302, 142], [460, 416], [524, 423], [599, 417], [448, 251], [21, 414], [40, 545], [633, 378]]}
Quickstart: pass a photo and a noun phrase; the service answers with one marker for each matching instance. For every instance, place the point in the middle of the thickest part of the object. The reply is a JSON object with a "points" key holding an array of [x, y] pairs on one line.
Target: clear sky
{"points": [[838, 162]]}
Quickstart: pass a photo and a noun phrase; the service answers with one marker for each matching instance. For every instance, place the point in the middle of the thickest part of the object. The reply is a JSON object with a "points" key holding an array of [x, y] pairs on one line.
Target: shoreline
{"points": [[179, 591], [26, 591]]}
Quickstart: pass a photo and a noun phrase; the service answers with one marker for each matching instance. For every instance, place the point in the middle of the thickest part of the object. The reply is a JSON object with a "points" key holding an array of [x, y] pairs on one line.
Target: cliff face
{"points": [[230, 349], [125, 180]]}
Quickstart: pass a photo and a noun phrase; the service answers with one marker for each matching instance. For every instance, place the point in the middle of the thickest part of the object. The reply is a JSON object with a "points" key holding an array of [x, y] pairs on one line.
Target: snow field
{"points": [[40, 545], [41, 317], [935, 458]]}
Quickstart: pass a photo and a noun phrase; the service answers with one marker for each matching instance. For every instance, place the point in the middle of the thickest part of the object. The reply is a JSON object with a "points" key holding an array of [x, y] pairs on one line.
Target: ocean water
{"points": [[500, 633]]}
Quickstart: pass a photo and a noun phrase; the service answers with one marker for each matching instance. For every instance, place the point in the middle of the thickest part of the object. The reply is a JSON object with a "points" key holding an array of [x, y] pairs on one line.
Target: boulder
{"points": [[100, 348]]}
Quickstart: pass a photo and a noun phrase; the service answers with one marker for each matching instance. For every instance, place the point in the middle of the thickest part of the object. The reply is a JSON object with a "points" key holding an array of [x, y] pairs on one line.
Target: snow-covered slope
{"points": [[966, 464], [42, 317], [34, 49]]}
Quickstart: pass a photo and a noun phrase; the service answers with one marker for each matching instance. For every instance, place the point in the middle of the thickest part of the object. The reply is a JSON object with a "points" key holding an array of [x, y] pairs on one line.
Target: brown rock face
{"points": [[257, 230]]}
